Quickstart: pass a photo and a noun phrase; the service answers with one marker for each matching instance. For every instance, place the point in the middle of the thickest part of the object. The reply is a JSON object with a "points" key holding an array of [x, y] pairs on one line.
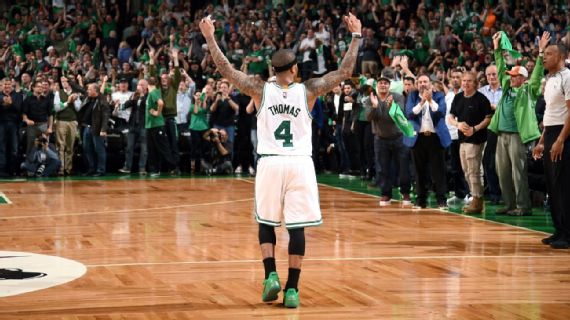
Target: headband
{"points": [[285, 67]]}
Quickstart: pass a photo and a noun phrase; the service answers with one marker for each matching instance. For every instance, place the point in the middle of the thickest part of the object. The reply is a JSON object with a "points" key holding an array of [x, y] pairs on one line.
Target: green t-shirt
{"points": [[199, 121], [152, 103], [108, 27], [422, 55], [257, 67], [507, 120]]}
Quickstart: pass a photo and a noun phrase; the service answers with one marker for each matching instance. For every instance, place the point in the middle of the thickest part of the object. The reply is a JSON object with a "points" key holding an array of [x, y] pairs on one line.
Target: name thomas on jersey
{"points": [[284, 109]]}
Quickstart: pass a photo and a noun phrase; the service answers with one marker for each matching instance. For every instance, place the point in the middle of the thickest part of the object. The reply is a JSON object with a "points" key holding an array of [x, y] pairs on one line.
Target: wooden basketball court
{"points": [[188, 249]]}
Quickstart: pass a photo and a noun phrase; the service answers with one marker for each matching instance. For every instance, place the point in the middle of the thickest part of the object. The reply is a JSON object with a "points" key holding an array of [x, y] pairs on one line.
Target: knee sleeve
{"points": [[266, 234], [297, 241]]}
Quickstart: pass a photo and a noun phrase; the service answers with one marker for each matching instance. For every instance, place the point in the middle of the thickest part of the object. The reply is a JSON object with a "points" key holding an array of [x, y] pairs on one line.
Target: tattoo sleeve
{"points": [[245, 83], [319, 86]]}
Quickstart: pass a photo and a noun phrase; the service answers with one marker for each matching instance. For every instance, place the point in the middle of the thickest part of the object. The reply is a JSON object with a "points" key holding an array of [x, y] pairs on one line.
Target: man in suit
{"points": [[426, 109], [94, 116]]}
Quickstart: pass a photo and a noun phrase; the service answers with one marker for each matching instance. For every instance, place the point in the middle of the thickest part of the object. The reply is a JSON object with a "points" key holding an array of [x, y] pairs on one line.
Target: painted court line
{"points": [[327, 259], [127, 210]]}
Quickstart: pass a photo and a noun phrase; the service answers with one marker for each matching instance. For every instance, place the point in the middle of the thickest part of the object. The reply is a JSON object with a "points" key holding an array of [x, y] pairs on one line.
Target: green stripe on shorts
{"points": [[303, 224]]}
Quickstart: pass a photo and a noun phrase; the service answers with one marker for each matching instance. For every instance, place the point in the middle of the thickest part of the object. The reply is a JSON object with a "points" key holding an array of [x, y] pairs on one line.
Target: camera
{"points": [[43, 140], [213, 135]]}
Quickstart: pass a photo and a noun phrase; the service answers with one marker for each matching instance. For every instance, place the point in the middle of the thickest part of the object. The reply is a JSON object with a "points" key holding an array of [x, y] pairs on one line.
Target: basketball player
{"points": [[285, 184]]}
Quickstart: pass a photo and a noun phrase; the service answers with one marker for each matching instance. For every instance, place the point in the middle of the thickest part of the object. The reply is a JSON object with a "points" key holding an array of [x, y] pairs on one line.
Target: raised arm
{"points": [[319, 86], [246, 84]]}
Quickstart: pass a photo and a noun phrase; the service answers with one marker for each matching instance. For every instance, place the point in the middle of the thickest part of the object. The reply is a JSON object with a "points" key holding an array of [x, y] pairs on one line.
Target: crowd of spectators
{"points": [[88, 87]]}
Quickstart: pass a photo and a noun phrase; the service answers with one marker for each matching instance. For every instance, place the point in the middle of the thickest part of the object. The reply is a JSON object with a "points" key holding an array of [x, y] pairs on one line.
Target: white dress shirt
{"points": [[427, 122]]}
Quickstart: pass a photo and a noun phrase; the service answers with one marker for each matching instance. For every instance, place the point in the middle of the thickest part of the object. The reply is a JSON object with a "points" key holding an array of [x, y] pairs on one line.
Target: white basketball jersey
{"points": [[284, 121]]}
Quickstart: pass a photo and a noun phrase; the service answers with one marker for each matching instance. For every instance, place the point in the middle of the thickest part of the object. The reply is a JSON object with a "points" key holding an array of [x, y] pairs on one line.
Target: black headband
{"points": [[285, 67]]}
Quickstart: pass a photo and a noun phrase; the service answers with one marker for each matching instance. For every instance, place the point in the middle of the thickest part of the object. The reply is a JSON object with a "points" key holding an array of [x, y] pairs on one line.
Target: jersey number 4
{"points": [[283, 132]]}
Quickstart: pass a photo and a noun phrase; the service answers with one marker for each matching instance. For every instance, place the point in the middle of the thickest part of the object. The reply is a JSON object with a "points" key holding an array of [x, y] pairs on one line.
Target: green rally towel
{"points": [[505, 44], [401, 121], [18, 50]]}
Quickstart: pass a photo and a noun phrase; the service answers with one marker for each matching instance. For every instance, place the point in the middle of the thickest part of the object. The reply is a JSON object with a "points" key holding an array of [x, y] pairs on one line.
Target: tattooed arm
{"points": [[319, 86], [246, 84]]}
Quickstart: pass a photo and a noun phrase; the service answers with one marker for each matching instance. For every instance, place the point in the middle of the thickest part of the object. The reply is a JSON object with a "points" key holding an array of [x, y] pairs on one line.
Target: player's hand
{"points": [[351, 21], [207, 27]]}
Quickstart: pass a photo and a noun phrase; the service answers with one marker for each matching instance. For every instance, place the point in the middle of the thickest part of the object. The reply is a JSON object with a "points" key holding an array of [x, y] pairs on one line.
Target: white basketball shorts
{"points": [[286, 188]]}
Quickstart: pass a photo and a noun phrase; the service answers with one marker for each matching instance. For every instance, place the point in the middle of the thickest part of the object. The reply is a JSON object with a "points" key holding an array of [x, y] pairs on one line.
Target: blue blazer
{"points": [[438, 118]]}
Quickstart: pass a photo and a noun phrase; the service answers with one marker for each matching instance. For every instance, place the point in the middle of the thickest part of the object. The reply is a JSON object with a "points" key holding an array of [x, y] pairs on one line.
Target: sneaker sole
{"points": [[291, 305]]}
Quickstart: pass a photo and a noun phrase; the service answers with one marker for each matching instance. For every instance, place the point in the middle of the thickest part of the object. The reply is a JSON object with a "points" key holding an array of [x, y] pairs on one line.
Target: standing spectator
{"points": [[66, 104], [250, 109], [158, 146], [224, 110], [555, 142], [389, 146], [426, 109], [137, 131], [119, 99], [459, 183], [10, 118], [308, 48], [37, 114], [363, 133], [198, 126], [471, 113], [344, 134], [242, 145], [169, 89], [515, 124], [493, 92], [369, 53], [186, 89], [94, 115]]}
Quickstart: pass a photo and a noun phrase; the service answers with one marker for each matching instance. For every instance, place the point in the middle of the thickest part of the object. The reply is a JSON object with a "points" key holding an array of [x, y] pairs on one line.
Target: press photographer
{"points": [[218, 159], [42, 161]]}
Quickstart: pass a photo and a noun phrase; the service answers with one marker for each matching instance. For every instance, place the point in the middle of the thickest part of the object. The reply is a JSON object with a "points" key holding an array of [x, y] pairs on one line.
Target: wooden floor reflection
{"points": [[187, 249]]}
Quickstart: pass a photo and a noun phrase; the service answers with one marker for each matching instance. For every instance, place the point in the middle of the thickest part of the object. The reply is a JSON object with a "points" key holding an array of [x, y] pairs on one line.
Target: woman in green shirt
{"points": [[198, 126]]}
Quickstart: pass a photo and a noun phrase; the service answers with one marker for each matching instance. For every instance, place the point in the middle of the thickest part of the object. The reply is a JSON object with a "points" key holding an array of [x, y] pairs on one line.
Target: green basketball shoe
{"points": [[291, 298], [271, 287]]}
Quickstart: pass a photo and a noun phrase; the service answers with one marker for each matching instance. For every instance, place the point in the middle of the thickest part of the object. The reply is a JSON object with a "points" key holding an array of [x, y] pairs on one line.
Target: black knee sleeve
{"points": [[297, 241], [266, 234]]}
